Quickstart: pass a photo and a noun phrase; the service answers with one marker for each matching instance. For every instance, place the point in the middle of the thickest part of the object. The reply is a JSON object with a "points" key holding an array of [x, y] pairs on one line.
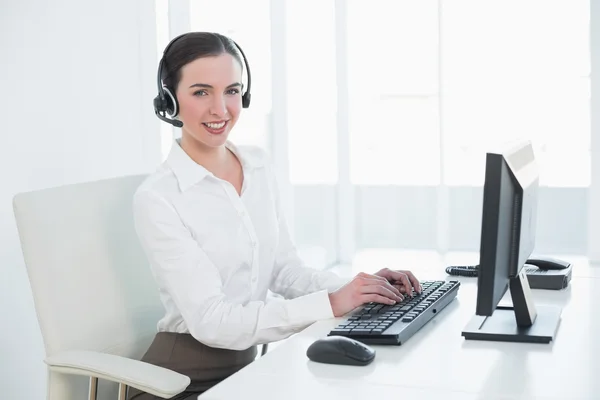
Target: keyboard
{"points": [[376, 323]]}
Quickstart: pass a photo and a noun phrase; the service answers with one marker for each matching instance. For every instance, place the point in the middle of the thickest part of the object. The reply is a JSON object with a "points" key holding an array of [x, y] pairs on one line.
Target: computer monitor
{"points": [[508, 229]]}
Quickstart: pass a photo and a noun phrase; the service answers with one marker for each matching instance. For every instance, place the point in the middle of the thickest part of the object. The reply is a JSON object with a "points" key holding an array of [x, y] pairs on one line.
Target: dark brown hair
{"points": [[190, 47]]}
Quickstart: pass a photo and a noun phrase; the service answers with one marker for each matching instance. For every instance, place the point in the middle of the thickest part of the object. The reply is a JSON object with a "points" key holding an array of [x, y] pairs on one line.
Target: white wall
{"points": [[78, 79]]}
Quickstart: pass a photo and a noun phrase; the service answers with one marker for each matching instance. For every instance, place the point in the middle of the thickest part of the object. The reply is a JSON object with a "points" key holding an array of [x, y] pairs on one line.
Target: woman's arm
{"points": [[195, 284], [291, 277]]}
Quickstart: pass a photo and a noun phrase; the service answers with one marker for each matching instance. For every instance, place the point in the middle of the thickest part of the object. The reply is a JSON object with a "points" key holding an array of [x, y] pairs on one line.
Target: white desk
{"points": [[437, 363], [427, 263]]}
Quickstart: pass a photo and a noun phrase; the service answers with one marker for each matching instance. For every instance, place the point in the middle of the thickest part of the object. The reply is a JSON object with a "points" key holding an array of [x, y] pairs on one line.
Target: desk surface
{"points": [[438, 363]]}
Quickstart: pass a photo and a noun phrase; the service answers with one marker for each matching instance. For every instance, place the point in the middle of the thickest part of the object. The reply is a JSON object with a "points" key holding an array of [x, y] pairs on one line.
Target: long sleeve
{"points": [[196, 286], [291, 277]]}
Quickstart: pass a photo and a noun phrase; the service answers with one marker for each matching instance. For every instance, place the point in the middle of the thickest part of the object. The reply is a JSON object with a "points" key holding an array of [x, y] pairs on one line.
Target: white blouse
{"points": [[216, 254]]}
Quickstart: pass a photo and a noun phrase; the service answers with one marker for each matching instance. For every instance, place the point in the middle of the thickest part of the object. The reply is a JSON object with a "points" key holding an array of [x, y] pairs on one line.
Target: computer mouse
{"points": [[340, 350], [548, 263]]}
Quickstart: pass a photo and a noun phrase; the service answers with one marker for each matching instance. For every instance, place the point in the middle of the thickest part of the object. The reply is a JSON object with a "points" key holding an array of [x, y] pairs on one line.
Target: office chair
{"points": [[95, 298]]}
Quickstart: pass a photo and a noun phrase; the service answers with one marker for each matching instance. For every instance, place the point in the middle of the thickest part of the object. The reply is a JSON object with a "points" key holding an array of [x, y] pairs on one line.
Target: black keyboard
{"points": [[376, 323]]}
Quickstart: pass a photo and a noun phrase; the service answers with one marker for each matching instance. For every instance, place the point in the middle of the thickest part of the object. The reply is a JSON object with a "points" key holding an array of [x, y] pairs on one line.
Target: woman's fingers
{"points": [[377, 280], [376, 298], [382, 291]]}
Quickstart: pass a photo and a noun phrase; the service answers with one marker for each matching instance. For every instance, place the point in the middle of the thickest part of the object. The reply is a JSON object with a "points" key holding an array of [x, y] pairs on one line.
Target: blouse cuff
{"points": [[310, 308]]}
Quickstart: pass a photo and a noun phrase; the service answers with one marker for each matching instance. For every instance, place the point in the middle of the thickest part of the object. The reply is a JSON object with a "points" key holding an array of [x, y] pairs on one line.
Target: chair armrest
{"points": [[149, 378]]}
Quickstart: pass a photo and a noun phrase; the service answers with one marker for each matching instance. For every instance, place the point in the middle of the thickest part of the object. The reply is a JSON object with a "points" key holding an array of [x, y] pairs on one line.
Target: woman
{"points": [[212, 226]]}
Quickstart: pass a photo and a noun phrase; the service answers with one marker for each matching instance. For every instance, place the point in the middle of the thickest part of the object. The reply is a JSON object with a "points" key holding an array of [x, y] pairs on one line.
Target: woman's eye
{"points": [[233, 91], [200, 93]]}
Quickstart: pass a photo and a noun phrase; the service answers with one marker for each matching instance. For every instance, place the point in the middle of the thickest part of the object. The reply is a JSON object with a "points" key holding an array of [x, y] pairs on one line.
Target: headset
{"points": [[165, 103]]}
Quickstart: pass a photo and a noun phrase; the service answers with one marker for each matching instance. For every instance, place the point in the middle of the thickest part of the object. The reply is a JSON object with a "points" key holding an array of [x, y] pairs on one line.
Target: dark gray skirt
{"points": [[205, 366]]}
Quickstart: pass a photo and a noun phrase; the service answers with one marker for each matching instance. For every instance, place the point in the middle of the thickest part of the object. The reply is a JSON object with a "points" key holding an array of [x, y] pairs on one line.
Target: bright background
{"points": [[376, 113], [380, 114]]}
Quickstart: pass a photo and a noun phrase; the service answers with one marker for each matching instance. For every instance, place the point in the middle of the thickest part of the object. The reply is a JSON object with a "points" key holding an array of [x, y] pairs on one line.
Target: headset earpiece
{"points": [[166, 104], [171, 105], [246, 100]]}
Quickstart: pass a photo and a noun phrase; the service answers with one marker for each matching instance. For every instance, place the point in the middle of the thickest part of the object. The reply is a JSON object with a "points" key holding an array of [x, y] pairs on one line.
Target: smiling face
{"points": [[210, 99]]}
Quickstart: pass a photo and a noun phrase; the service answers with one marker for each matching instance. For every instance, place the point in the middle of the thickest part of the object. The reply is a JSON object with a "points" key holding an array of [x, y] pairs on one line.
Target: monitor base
{"points": [[502, 326]]}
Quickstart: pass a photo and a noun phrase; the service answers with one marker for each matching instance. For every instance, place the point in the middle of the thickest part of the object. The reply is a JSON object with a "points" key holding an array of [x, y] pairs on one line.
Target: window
{"points": [[530, 81], [434, 85], [312, 105], [411, 94], [393, 92]]}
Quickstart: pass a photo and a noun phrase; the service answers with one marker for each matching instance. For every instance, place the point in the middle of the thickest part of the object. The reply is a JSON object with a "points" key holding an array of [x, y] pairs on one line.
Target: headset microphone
{"points": [[165, 103], [173, 122]]}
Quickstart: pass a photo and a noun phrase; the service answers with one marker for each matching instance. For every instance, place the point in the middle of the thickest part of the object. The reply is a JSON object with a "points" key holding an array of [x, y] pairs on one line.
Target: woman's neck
{"points": [[214, 159]]}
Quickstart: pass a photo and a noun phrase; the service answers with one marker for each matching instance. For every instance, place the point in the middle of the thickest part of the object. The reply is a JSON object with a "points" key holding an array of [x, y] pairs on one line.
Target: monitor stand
{"points": [[522, 322]]}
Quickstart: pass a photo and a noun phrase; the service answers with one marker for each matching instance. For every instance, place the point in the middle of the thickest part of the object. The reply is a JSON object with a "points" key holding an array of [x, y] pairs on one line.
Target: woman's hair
{"points": [[190, 47]]}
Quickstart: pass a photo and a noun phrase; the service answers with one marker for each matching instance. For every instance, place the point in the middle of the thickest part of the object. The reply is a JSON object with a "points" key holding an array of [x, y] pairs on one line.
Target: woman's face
{"points": [[210, 98]]}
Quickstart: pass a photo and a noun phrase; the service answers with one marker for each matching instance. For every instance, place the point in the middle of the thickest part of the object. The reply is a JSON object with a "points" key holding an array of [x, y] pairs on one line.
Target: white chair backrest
{"points": [[91, 282]]}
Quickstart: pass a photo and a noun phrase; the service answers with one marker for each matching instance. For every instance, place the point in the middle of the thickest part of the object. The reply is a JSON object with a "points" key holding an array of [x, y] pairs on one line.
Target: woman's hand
{"points": [[363, 288], [404, 281]]}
